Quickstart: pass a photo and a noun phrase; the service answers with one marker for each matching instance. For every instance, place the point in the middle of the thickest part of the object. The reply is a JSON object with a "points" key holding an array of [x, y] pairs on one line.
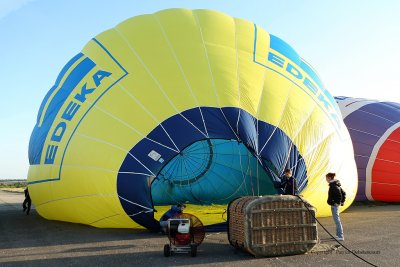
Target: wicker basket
{"points": [[272, 225]]}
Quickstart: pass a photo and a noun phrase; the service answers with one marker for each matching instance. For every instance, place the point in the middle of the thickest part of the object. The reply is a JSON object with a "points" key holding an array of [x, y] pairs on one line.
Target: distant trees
{"points": [[13, 183]]}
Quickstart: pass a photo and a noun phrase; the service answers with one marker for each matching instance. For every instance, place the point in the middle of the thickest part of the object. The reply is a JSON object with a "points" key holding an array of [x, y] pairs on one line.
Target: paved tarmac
{"points": [[371, 230]]}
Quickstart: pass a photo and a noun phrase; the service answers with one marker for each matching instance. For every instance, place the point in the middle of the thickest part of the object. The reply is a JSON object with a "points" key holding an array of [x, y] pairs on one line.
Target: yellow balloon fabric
{"points": [[141, 98]]}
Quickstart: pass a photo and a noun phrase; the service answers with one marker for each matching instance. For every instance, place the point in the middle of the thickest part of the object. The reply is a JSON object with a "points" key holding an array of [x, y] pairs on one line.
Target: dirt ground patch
{"points": [[16, 190]]}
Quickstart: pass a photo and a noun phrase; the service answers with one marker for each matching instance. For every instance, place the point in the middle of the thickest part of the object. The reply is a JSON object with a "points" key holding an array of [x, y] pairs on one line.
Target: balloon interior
{"points": [[183, 106]]}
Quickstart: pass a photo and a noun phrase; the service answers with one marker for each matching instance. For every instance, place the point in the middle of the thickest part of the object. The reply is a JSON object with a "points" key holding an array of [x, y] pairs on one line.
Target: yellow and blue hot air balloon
{"points": [[182, 106]]}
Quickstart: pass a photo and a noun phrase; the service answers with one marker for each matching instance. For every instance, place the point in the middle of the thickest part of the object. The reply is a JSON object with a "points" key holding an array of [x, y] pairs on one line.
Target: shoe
{"points": [[339, 238]]}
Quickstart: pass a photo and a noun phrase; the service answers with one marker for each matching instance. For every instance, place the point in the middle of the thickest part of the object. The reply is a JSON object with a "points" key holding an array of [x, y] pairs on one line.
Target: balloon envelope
{"points": [[182, 106], [374, 128]]}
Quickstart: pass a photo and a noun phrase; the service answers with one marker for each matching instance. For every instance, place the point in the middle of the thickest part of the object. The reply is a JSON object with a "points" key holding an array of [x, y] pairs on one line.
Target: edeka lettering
{"points": [[294, 72], [69, 113]]}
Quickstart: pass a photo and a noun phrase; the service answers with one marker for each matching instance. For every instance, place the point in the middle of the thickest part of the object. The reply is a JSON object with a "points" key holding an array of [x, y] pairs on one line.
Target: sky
{"points": [[353, 45]]}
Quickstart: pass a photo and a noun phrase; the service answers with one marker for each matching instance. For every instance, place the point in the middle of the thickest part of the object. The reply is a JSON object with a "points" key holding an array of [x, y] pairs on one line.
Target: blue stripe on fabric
{"points": [[285, 49], [306, 67], [94, 103], [39, 134], [57, 83], [365, 129], [111, 56], [291, 54], [35, 151], [279, 153], [41, 181], [255, 43], [76, 75]]}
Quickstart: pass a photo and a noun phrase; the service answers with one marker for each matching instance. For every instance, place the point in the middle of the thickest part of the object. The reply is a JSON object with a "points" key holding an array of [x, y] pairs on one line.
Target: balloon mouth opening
{"points": [[211, 171]]}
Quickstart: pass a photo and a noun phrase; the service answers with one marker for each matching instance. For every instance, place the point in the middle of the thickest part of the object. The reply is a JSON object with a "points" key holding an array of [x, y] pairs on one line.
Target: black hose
{"points": [[312, 214]]}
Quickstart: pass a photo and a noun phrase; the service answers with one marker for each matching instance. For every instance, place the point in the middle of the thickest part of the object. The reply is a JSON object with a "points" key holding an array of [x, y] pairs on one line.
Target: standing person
{"points": [[26, 202], [171, 213], [288, 184], [336, 197]]}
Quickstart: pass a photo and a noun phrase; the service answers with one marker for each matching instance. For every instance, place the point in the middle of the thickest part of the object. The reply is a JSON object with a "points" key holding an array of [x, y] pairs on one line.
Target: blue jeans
{"points": [[336, 218]]}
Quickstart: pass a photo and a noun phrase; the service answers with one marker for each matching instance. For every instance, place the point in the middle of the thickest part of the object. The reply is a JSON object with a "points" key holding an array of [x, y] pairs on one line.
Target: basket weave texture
{"points": [[272, 225]]}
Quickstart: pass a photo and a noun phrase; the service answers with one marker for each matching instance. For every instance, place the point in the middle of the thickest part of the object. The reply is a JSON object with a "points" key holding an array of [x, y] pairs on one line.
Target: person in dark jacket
{"points": [[336, 198], [171, 213], [26, 205], [288, 183]]}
